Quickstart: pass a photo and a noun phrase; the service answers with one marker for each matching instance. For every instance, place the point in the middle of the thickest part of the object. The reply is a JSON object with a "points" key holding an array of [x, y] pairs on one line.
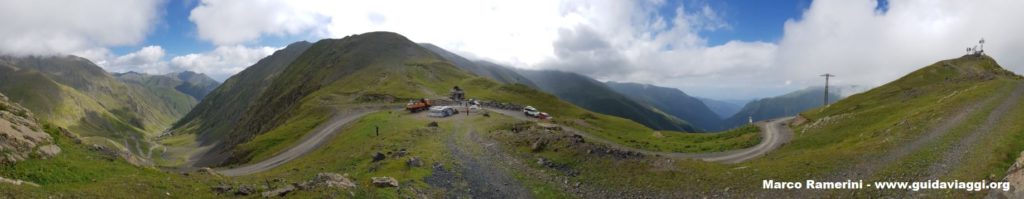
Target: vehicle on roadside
{"points": [[418, 105], [529, 111], [442, 111], [474, 104], [543, 116]]}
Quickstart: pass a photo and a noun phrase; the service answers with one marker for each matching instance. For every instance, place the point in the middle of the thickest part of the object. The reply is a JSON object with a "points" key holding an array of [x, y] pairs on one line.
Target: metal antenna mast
{"points": [[826, 75]]}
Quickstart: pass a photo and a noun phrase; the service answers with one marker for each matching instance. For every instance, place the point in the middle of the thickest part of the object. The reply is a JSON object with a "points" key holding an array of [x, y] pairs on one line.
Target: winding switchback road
{"points": [[774, 133]]}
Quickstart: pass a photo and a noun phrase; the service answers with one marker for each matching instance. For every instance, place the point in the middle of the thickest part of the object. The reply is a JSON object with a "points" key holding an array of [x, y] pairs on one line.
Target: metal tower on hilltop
{"points": [[826, 75]]}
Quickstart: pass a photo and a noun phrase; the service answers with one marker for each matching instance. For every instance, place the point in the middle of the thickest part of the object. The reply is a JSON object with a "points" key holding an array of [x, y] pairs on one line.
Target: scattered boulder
{"points": [[432, 124], [221, 189], [543, 161], [245, 190], [17, 182], [414, 162], [401, 153], [280, 191], [385, 182], [48, 151], [537, 146], [74, 137], [332, 180], [208, 171], [378, 157], [577, 139]]}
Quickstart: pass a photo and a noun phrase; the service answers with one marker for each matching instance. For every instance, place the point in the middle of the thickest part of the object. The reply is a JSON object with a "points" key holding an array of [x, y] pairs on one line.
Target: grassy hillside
{"points": [[223, 107], [336, 75], [197, 85], [595, 96], [671, 101], [83, 172], [74, 93], [486, 69], [164, 87]]}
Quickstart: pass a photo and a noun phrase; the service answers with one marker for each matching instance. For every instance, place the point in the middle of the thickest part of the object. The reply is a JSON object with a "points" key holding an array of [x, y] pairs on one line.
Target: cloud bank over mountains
{"points": [[635, 41]]}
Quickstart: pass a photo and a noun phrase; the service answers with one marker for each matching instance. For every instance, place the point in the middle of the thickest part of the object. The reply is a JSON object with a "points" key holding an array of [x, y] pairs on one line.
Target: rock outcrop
{"points": [[21, 136], [1015, 175]]}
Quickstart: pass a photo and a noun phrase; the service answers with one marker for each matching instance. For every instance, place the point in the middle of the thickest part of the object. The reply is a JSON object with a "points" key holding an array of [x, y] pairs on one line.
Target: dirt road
{"points": [[311, 141], [774, 132]]}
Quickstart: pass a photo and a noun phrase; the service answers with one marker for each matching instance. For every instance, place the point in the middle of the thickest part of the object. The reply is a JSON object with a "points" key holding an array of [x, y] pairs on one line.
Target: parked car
{"points": [[529, 111], [442, 111], [474, 105], [544, 116]]}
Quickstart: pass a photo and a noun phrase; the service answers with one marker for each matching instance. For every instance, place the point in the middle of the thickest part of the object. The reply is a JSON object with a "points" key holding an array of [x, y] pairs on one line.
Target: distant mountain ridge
{"points": [[672, 101], [598, 97], [482, 68], [196, 85], [788, 104], [578, 89], [723, 108]]}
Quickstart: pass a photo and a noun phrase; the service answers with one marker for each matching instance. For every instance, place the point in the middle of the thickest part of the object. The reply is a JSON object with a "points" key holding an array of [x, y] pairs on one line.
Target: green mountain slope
{"points": [[162, 86], [195, 85], [223, 107], [598, 97], [595, 96], [957, 119], [490, 70], [338, 75], [789, 104], [671, 101], [73, 92]]}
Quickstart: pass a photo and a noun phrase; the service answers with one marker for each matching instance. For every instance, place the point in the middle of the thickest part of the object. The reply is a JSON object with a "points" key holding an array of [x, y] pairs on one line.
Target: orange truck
{"points": [[418, 105]]}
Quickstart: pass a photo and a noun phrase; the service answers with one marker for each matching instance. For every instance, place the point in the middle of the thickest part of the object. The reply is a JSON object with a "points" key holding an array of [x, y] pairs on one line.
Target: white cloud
{"points": [[58, 27], [219, 63], [863, 46], [223, 61], [229, 22]]}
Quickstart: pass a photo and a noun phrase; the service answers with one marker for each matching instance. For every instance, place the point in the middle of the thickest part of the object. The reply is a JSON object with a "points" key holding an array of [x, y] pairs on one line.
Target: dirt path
{"points": [[956, 154], [482, 171], [775, 133], [311, 141]]}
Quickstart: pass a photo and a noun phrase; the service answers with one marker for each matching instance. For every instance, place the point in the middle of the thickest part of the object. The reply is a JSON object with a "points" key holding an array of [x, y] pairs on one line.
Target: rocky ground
{"points": [[1015, 175], [21, 136]]}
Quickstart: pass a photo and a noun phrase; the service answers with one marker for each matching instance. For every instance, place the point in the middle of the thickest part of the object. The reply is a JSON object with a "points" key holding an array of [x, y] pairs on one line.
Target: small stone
{"points": [[48, 150], [279, 191], [402, 153], [432, 124], [245, 190], [537, 146], [385, 182], [223, 188], [332, 180], [378, 157], [414, 162]]}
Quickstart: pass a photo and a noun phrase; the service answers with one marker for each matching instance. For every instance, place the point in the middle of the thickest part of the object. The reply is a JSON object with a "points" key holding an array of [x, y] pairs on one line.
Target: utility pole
{"points": [[826, 75]]}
